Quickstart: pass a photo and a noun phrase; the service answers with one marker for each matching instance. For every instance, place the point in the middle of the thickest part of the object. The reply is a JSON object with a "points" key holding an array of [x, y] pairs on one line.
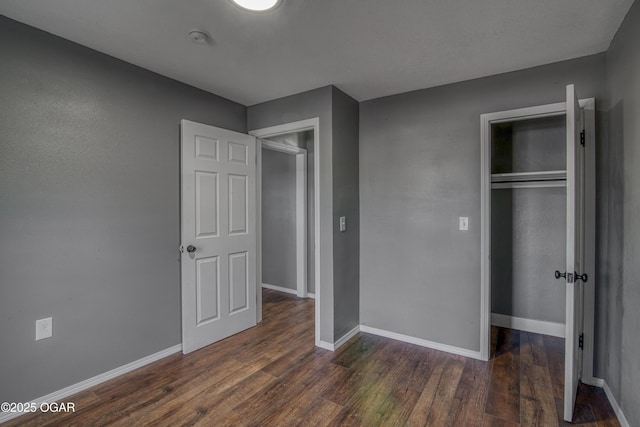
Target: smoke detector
{"points": [[198, 36]]}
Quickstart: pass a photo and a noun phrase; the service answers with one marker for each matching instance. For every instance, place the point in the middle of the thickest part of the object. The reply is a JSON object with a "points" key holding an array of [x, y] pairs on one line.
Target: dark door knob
{"points": [[191, 249], [582, 277], [559, 275]]}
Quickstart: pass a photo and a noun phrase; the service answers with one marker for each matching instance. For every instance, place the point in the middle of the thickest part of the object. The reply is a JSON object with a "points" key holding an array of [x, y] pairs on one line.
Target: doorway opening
{"points": [[298, 142], [528, 223], [287, 222]]}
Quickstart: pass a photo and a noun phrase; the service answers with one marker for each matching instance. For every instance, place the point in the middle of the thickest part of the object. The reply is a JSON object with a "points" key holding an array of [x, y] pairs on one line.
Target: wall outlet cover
{"points": [[44, 328]]}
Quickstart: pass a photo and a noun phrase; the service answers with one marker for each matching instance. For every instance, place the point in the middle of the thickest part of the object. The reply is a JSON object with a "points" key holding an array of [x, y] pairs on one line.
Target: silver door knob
{"points": [[191, 249]]}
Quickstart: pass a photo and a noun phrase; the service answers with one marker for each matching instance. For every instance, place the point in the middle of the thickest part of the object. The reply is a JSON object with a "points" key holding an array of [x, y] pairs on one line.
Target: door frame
{"points": [[298, 126], [588, 105], [300, 155]]}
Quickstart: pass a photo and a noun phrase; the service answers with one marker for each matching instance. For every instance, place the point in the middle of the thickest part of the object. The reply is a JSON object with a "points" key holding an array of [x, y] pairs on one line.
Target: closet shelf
{"points": [[529, 176]]}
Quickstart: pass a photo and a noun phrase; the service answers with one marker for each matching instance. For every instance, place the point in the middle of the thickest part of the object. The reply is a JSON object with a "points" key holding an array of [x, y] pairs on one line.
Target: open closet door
{"points": [[575, 252]]}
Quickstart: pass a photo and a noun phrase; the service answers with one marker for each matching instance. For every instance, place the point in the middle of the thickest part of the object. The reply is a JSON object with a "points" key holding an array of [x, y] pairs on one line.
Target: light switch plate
{"points": [[463, 223], [44, 328]]}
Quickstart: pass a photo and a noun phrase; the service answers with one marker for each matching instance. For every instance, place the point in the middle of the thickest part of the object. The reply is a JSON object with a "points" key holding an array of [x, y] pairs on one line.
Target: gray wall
{"points": [[89, 208], [419, 171], [619, 296], [279, 219], [346, 202], [338, 114], [528, 243], [307, 105]]}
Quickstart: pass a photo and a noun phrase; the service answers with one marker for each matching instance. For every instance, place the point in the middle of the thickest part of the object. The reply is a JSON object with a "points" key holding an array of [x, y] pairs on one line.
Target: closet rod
{"points": [[528, 184]]}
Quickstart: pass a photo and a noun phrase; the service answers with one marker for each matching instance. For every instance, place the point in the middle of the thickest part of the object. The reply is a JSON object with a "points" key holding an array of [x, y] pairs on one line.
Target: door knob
{"points": [[191, 249], [582, 277], [559, 275]]}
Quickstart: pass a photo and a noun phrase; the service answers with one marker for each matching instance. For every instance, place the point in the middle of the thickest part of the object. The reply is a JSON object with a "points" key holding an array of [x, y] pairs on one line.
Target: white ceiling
{"points": [[367, 48]]}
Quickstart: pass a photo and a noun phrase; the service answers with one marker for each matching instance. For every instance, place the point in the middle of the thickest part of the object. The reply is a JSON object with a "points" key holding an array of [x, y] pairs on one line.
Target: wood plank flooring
{"points": [[272, 375]]}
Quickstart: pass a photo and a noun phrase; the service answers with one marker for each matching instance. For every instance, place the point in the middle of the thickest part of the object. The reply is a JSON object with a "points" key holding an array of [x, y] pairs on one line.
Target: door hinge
{"points": [[581, 341], [582, 138]]}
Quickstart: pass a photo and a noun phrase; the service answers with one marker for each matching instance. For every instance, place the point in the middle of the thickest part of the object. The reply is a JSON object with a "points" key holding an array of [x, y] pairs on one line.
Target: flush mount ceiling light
{"points": [[257, 5]]}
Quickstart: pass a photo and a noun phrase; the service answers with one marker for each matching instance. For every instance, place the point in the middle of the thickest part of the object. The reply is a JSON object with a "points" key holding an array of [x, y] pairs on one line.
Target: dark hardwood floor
{"points": [[272, 375]]}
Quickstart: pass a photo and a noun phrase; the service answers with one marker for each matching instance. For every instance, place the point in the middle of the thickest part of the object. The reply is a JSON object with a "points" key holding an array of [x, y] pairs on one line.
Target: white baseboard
{"points": [[340, 342], [593, 381], [422, 342], [280, 289], [599, 382], [326, 345], [400, 337], [614, 404], [98, 379], [346, 337], [529, 325], [286, 290]]}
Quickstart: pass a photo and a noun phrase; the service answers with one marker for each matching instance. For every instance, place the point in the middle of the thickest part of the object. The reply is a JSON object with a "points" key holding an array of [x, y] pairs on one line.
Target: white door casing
{"points": [[218, 233], [575, 251]]}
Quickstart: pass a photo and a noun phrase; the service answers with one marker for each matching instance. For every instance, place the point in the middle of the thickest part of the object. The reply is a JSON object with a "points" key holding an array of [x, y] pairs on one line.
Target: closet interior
{"points": [[528, 223]]}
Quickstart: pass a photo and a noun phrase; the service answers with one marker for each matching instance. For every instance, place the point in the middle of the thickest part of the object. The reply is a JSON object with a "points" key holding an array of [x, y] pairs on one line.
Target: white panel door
{"points": [[575, 251], [218, 232]]}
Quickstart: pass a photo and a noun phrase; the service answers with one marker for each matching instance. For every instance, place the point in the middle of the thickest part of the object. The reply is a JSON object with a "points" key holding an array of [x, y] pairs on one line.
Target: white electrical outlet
{"points": [[463, 223], [44, 328]]}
